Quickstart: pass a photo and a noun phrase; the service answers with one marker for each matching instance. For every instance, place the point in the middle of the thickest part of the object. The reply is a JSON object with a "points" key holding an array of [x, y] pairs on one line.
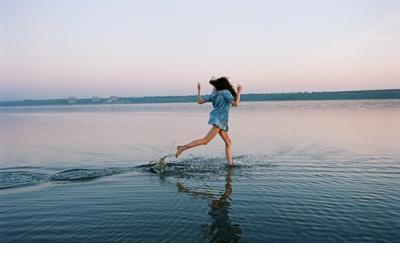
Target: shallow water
{"points": [[308, 171]]}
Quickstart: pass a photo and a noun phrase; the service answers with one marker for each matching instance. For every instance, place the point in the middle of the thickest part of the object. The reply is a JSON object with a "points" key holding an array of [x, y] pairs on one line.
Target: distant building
{"points": [[113, 99], [72, 100], [95, 99]]}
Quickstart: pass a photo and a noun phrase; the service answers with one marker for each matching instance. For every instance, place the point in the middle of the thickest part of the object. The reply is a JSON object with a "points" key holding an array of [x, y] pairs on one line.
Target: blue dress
{"points": [[222, 101]]}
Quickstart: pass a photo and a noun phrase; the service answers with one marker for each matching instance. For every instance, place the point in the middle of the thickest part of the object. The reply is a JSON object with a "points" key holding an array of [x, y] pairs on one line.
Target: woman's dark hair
{"points": [[222, 83]]}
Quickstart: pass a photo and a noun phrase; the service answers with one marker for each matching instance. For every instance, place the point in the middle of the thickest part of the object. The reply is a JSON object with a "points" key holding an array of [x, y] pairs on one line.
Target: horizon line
{"points": [[187, 95]]}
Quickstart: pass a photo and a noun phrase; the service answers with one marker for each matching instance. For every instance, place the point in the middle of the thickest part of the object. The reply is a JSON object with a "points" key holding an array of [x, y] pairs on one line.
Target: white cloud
{"points": [[387, 31]]}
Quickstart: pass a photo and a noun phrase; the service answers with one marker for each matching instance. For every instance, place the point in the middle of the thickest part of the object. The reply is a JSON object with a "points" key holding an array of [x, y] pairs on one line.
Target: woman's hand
{"points": [[199, 99], [236, 101], [239, 89]]}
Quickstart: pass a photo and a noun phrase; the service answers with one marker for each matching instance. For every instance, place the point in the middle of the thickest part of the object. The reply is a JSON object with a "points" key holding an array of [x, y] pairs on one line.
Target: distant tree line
{"points": [[336, 95]]}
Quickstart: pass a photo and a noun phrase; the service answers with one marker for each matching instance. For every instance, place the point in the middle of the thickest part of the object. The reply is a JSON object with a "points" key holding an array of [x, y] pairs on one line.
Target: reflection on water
{"points": [[221, 228]]}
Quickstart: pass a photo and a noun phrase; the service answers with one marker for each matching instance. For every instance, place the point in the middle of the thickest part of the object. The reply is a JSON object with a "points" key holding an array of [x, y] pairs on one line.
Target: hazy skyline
{"points": [[55, 49]]}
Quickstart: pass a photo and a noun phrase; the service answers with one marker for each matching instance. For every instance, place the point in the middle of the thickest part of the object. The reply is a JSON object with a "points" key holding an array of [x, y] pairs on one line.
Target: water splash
{"points": [[196, 166], [160, 166]]}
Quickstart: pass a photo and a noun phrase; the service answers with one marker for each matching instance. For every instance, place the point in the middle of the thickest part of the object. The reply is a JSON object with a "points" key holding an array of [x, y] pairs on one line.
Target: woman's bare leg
{"points": [[210, 135], [228, 146]]}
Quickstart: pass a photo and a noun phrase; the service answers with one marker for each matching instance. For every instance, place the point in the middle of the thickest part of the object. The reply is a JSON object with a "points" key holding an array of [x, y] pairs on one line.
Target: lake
{"points": [[308, 171]]}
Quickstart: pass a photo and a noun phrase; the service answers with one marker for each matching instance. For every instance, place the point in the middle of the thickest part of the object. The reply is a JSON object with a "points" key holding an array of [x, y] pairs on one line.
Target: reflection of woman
{"points": [[221, 228], [222, 98]]}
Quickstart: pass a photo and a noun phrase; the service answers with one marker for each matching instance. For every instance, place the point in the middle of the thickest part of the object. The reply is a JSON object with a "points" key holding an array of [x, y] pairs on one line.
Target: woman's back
{"points": [[222, 101]]}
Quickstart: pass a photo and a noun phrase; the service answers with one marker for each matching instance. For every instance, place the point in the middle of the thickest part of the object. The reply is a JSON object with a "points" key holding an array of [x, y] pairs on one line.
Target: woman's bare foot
{"points": [[179, 150]]}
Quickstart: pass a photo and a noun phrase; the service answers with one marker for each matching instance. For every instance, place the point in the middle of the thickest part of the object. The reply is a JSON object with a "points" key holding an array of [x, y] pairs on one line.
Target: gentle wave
{"points": [[84, 174], [14, 179]]}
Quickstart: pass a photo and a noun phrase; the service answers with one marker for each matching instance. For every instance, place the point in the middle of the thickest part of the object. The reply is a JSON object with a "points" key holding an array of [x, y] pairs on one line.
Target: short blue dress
{"points": [[222, 101]]}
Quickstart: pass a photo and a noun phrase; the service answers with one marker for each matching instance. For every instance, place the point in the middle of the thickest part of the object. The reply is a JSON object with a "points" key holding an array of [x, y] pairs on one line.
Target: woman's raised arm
{"points": [[236, 101], [199, 99]]}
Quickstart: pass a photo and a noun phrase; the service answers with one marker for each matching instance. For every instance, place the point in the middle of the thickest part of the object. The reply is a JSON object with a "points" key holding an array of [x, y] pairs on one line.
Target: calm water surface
{"points": [[309, 171]]}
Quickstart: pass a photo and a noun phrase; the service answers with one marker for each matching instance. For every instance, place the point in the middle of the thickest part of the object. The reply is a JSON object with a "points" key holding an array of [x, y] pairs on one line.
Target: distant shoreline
{"points": [[290, 96]]}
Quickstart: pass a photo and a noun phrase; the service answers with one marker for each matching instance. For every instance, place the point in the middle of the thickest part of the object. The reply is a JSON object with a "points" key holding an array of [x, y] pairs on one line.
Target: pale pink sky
{"points": [[55, 49]]}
